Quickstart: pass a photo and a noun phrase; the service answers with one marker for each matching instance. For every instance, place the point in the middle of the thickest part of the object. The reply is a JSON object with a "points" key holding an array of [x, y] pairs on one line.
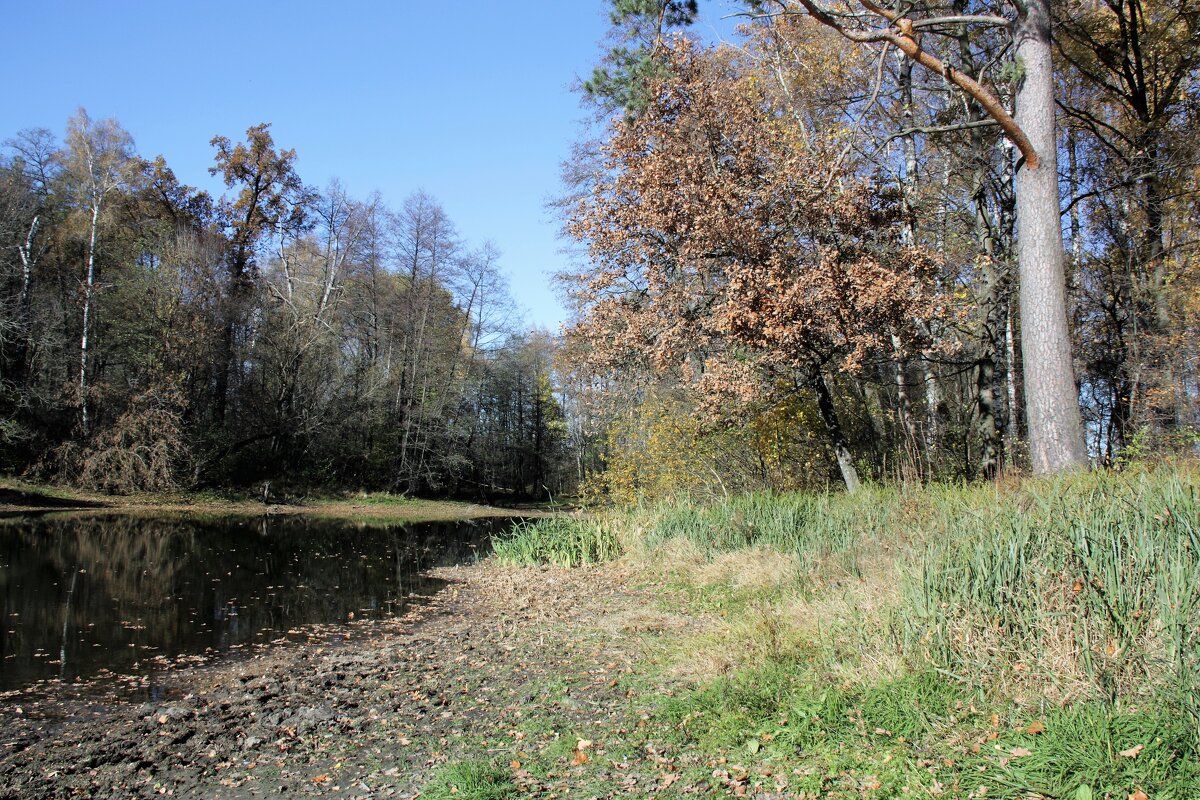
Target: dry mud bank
{"points": [[502, 664]]}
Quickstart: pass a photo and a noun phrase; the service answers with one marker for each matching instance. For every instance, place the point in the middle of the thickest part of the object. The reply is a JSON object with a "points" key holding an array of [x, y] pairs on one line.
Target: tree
{"points": [[271, 201], [27, 192], [1129, 75], [96, 163], [622, 80], [728, 251], [1052, 408]]}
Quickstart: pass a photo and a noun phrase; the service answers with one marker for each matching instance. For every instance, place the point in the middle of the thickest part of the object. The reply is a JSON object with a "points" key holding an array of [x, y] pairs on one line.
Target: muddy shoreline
{"points": [[369, 717]]}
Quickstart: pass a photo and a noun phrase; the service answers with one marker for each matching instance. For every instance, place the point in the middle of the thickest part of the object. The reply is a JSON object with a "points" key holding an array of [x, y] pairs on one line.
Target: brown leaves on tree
{"points": [[731, 245]]}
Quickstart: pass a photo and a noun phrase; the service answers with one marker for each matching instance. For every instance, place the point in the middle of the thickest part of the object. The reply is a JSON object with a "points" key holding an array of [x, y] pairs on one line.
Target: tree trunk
{"points": [[1051, 398], [89, 281], [25, 334], [837, 437]]}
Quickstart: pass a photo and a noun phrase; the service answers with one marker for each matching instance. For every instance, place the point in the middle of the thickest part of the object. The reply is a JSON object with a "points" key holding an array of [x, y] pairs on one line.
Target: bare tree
{"points": [[96, 163]]}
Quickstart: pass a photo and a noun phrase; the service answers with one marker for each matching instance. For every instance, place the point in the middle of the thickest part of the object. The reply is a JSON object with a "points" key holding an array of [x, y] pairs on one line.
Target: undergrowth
{"points": [[561, 541], [1032, 639]]}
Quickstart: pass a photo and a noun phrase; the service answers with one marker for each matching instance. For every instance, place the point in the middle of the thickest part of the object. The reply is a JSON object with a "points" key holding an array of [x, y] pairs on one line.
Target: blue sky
{"points": [[470, 101]]}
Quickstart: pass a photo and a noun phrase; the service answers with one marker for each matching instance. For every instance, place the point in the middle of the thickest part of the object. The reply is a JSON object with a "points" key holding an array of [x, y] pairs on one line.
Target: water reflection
{"points": [[82, 594]]}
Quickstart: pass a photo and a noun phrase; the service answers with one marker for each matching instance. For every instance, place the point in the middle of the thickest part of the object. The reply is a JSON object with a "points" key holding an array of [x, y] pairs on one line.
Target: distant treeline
{"points": [[152, 336]]}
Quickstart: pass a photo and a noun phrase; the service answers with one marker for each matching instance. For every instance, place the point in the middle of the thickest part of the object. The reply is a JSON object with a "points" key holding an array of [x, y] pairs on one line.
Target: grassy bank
{"points": [[1033, 639], [17, 495]]}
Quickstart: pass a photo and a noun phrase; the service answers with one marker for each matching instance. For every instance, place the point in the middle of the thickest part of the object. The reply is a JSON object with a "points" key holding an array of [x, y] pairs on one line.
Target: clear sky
{"points": [[469, 101]]}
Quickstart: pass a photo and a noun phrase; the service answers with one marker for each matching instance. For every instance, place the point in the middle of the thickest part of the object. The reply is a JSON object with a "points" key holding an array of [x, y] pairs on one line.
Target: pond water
{"points": [[86, 596]]}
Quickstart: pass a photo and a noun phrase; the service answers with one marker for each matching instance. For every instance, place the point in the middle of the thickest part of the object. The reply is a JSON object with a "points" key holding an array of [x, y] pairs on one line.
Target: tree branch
{"points": [[904, 40]]}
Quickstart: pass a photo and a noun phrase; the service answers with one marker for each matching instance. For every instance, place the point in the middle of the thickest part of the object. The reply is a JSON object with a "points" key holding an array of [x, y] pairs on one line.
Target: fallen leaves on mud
{"points": [[373, 716]]}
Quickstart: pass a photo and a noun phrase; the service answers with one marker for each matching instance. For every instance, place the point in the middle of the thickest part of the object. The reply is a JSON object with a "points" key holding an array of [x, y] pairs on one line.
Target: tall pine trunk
{"points": [[1051, 398]]}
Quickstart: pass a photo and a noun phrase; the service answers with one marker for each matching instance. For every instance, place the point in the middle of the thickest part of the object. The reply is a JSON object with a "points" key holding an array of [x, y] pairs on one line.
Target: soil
{"points": [[372, 716]]}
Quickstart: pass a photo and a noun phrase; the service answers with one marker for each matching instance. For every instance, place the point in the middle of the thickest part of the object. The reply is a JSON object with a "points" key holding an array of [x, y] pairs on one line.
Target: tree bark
{"points": [[1051, 398], [25, 320], [89, 282], [837, 438]]}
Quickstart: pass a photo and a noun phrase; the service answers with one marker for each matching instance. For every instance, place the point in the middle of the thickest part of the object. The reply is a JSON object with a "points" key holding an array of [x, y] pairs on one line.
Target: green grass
{"points": [[922, 731], [473, 779], [561, 541], [1093, 584], [1073, 602]]}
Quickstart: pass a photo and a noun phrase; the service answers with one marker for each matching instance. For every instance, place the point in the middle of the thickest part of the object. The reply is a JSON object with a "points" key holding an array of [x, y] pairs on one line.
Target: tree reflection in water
{"points": [[80, 594]]}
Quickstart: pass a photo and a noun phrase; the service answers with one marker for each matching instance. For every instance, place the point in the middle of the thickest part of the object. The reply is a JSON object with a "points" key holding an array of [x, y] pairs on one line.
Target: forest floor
{"points": [[20, 497], [510, 680]]}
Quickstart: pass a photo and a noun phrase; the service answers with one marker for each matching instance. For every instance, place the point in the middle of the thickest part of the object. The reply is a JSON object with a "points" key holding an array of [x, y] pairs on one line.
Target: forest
{"points": [[153, 337], [864, 466], [803, 247], [797, 264]]}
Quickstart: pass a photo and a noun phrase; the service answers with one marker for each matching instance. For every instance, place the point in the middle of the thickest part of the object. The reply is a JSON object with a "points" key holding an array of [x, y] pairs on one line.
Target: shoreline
{"points": [[376, 715], [20, 498]]}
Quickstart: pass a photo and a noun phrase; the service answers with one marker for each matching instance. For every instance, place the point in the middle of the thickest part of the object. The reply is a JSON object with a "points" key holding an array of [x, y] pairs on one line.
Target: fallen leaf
{"points": [[1133, 752], [1017, 752], [580, 758], [516, 765], [322, 778], [1138, 794], [1036, 727]]}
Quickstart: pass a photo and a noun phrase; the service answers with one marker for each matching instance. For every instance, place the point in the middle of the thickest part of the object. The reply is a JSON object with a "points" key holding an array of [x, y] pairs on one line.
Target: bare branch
{"points": [[902, 36]]}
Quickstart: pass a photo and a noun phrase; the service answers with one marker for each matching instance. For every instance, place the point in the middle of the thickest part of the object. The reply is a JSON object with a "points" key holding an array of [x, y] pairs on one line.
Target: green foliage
{"points": [[661, 448], [561, 541], [470, 780], [847, 734], [1106, 754], [629, 69], [811, 526], [1073, 602]]}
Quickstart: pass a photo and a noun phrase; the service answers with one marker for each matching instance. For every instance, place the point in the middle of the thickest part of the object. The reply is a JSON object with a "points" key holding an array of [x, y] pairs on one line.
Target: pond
{"points": [[91, 596]]}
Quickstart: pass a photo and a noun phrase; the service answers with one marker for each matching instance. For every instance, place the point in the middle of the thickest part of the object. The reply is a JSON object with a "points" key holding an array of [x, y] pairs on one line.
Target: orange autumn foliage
{"points": [[734, 252]]}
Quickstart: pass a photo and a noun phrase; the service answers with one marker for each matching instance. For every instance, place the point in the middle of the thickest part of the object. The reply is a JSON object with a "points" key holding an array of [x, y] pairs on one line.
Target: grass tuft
{"points": [[560, 541], [473, 779]]}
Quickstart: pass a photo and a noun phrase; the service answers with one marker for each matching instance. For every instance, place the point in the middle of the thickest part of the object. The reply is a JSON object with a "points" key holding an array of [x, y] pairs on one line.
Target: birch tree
{"points": [[96, 163]]}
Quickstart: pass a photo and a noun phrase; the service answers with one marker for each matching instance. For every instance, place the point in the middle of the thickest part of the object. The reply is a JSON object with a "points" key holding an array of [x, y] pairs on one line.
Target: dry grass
{"points": [[758, 568], [791, 615]]}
